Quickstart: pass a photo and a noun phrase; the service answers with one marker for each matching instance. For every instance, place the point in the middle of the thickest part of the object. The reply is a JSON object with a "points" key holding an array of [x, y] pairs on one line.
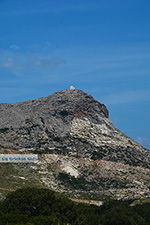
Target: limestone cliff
{"points": [[84, 152]]}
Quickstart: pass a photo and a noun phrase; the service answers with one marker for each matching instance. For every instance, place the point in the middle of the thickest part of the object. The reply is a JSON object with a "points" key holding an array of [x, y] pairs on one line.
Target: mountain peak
{"points": [[78, 146], [70, 115], [76, 102]]}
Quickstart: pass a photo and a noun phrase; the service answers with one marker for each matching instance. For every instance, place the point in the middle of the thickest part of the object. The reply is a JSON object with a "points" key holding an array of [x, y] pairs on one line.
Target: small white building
{"points": [[72, 87]]}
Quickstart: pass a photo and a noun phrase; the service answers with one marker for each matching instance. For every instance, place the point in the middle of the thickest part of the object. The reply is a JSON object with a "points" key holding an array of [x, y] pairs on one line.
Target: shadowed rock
{"points": [[68, 122]]}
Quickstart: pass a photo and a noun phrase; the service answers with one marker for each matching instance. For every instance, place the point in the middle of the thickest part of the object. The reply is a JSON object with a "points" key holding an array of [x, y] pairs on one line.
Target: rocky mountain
{"points": [[80, 151]]}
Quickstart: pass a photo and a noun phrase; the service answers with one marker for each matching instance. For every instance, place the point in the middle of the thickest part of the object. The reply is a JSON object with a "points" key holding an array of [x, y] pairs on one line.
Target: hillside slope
{"points": [[81, 152]]}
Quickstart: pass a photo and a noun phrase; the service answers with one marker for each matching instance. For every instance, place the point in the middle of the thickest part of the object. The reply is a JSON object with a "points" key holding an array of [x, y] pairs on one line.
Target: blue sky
{"points": [[101, 47]]}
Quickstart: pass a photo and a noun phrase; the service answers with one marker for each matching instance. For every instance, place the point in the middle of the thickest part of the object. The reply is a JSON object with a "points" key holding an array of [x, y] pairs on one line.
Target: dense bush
{"points": [[143, 210], [33, 206], [39, 202], [120, 213]]}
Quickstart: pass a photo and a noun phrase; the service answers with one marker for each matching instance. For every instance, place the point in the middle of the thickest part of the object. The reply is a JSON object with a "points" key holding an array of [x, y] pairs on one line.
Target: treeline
{"points": [[33, 206]]}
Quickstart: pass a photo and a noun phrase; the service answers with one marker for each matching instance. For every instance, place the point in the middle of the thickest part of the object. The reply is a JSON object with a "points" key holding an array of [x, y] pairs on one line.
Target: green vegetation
{"points": [[75, 183], [80, 183], [38, 206], [4, 130], [11, 174]]}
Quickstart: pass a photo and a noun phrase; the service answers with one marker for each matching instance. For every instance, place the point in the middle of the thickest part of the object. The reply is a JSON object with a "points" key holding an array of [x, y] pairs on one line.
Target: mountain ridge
{"points": [[71, 117], [66, 129]]}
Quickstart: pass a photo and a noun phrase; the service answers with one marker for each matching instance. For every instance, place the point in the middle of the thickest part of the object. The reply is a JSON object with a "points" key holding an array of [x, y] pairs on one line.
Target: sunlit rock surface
{"points": [[81, 152]]}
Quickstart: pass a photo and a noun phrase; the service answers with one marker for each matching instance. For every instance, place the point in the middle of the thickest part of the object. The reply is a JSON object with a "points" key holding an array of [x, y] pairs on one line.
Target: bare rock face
{"points": [[67, 122], [43, 123], [80, 142]]}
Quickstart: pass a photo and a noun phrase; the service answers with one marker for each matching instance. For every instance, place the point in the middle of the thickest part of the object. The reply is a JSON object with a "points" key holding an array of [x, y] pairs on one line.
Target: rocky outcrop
{"points": [[67, 122], [39, 122], [79, 148], [79, 178]]}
